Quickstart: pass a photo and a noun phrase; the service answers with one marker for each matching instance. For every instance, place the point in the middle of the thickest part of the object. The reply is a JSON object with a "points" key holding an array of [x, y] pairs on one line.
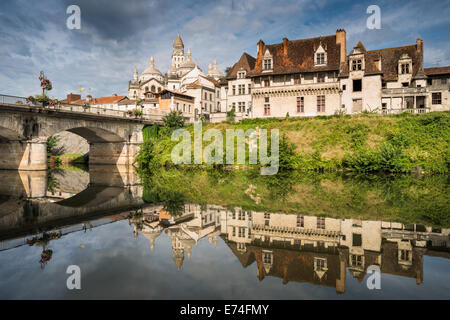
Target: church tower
{"points": [[178, 52]]}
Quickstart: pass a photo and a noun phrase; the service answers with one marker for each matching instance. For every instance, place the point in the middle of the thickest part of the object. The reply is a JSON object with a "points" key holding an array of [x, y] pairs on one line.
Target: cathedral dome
{"points": [[151, 70]]}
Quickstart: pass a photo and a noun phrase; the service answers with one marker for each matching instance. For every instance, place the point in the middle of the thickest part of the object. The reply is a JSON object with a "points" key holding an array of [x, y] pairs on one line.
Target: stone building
{"points": [[438, 84], [309, 77], [238, 89], [184, 77]]}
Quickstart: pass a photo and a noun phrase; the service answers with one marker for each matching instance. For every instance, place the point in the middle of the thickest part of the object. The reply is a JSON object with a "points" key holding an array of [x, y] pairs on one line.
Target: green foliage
{"points": [[52, 142], [231, 115], [286, 154], [173, 120]]}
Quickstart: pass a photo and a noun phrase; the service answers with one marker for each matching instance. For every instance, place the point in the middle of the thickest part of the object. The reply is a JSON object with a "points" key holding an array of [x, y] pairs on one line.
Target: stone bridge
{"points": [[27, 206], [24, 131]]}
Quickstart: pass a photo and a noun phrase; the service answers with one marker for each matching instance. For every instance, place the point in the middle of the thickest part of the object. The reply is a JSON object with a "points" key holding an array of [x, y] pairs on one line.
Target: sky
{"points": [[115, 36]]}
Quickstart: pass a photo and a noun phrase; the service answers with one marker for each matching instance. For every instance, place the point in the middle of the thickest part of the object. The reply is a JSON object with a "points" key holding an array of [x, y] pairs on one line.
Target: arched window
{"points": [[159, 89], [146, 89], [153, 89]]}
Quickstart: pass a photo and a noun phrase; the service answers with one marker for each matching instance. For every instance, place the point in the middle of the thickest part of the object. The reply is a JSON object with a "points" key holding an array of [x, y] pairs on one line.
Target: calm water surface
{"points": [[128, 247]]}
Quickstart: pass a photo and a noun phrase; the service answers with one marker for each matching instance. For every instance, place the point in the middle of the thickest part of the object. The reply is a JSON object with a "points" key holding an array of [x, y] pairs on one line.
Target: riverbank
{"points": [[401, 198], [359, 143]]}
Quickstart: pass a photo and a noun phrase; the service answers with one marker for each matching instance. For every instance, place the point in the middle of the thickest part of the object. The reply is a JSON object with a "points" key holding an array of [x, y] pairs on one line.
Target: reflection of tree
{"points": [[43, 241], [52, 182]]}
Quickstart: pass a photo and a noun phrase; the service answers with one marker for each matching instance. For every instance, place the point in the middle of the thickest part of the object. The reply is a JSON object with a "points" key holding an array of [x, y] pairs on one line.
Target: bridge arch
{"points": [[23, 138]]}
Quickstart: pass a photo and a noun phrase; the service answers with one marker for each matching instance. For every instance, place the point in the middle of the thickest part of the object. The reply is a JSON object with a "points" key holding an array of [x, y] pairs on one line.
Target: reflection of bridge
{"points": [[24, 131], [27, 207]]}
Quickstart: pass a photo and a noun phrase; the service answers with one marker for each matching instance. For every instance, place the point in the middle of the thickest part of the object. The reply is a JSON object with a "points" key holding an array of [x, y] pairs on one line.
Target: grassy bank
{"points": [[360, 143], [388, 197]]}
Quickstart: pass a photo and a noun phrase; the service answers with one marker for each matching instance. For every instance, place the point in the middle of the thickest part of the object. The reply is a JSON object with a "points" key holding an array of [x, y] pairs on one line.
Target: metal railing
{"points": [[147, 114]]}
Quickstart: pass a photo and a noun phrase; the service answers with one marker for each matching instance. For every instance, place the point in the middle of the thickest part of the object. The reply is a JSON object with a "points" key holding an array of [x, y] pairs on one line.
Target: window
{"points": [[241, 89], [404, 255], [321, 77], [241, 106], [234, 231], [320, 103], [357, 240], [436, 98], [233, 106], [344, 87], [300, 104], [249, 88], [356, 260], [267, 257], [267, 109], [234, 90], [206, 96], [405, 68], [429, 82], [356, 65], [297, 79], [241, 75], [320, 58], [184, 107], [320, 223], [405, 84], [300, 221], [320, 264], [267, 64], [267, 217], [210, 96], [444, 81], [153, 89], [241, 232], [266, 83], [357, 85]]}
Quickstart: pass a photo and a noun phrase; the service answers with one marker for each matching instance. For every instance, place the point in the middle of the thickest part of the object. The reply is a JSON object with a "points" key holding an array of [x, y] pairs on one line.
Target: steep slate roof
{"points": [[437, 71], [391, 56], [369, 63], [300, 56], [246, 62]]}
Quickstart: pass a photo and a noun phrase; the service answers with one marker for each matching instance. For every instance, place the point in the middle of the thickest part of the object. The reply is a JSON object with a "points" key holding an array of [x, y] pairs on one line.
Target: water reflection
{"points": [[40, 211], [317, 250]]}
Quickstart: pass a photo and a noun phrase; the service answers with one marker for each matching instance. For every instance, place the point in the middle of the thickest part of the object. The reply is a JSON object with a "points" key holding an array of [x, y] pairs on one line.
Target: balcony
{"points": [[310, 88], [386, 92]]}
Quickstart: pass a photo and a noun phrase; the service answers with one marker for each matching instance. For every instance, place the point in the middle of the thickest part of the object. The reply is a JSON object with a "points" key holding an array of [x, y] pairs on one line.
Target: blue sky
{"points": [[117, 35]]}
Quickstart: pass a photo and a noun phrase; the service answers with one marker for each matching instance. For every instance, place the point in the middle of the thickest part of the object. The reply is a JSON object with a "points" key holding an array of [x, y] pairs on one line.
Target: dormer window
{"points": [[405, 68], [320, 56], [241, 74], [357, 65], [268, 64]]}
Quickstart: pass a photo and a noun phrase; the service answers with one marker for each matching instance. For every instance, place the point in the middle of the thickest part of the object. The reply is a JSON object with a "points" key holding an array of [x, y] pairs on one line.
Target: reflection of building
{"points": [[316, 250], [319, 250]]}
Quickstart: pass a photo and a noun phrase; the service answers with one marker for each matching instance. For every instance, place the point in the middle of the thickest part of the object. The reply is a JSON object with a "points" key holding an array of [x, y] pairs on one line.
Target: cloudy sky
{"points": [[117, 35]]}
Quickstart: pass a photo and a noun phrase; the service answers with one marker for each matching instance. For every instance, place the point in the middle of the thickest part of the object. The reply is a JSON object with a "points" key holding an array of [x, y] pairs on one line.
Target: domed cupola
{"points": [[151, 72]]}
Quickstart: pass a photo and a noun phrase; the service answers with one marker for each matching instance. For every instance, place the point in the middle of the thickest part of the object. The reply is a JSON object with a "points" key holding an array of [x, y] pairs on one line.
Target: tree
{"points": [[231, 115], [173, 120], [227, 70]]}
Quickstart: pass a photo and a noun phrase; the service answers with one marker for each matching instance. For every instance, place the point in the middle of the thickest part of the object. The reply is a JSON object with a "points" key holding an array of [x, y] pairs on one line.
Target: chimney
{"points": [[88, 98], [114, 94], [285, 43], [419, 45], [341, 39], [260, 47], [72, 97]]}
